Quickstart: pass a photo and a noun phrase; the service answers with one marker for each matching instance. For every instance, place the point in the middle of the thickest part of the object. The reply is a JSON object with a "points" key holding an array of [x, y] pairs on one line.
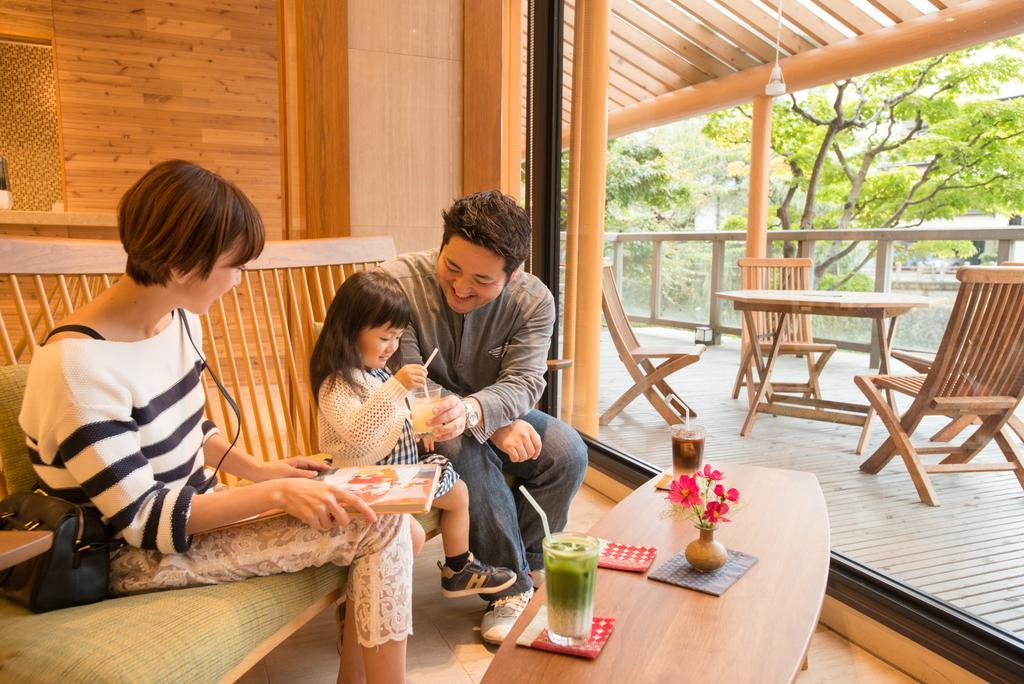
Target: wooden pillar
{"points": [[322, 67], [760, 157], [594, 17], [512, 98], [491, 98], [572, 227]]}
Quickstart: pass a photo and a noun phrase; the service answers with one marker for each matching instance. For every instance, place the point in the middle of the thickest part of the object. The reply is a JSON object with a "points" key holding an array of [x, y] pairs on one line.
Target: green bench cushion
{"points": [[196, 634]]}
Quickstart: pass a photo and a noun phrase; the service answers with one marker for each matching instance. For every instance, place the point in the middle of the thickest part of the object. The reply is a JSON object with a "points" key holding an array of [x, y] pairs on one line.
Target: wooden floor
{"points": [[969, 551], [446, 646]]}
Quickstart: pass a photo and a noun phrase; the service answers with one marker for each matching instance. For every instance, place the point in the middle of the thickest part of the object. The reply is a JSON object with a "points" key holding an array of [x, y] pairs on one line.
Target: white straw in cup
{"points": [[540, 512]]}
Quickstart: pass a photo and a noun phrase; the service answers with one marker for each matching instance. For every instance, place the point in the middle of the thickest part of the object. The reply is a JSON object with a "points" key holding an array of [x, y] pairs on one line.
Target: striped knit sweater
{"points": [[120, 425]]}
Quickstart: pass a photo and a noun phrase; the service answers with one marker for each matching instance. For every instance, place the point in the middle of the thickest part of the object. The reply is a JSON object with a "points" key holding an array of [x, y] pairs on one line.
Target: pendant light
{"points": [[776, 86]]}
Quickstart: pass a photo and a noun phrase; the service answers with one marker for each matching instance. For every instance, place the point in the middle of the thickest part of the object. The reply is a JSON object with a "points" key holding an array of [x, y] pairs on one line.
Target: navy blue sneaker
{"points": [[474, 578]]}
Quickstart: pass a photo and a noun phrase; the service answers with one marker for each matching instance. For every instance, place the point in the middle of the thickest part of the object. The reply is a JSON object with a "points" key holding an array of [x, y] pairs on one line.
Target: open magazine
{"points": [[387, 488]]}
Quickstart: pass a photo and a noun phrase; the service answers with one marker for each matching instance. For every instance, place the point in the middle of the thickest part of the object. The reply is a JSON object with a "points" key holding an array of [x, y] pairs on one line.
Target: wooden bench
{"points": [[257, 338]]}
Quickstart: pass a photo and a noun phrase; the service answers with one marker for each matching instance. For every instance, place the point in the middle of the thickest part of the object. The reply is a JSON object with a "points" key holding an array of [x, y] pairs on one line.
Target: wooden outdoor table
{"points": [[876, 306], [18, 546], [758, 630]]}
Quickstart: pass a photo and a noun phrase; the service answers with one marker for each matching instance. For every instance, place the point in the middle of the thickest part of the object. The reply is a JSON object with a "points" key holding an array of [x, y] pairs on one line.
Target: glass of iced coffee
{"points": [[687, 448]]}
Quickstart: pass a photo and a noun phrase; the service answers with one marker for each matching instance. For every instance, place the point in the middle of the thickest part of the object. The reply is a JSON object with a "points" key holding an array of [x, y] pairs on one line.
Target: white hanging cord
{"points": [[778, 30]]}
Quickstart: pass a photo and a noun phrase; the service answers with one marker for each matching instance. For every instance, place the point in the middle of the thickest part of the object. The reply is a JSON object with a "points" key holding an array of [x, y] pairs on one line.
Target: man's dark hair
{"points": [[491, 220]]}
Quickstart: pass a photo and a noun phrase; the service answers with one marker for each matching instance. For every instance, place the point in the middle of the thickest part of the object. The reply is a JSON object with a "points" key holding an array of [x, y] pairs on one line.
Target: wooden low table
{"points": [[877, 306], [759, 630]]}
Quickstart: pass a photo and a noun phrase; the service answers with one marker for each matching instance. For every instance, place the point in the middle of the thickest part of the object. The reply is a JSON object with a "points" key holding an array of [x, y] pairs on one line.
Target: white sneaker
{"points": [[501, 614]]}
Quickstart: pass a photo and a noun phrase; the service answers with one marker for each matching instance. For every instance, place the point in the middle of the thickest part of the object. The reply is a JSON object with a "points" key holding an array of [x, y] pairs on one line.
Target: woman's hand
{"points": [[297, 466], [412, 375], [318, 504]]}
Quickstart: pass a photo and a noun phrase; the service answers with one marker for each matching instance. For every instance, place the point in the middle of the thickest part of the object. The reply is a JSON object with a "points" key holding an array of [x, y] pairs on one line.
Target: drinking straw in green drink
{"points": [[540, 511]]}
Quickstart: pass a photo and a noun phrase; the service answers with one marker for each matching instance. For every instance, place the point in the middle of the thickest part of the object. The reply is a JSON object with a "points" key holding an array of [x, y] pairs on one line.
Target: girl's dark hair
{"points": [[366, 300]]}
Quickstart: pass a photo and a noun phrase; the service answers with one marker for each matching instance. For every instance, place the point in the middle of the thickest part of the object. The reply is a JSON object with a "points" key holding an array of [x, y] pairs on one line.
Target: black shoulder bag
{"points": [[76, 569]]}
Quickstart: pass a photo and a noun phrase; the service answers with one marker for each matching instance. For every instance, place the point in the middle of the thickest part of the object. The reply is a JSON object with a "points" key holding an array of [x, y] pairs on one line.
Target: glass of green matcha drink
{"points": [[570, 570]]}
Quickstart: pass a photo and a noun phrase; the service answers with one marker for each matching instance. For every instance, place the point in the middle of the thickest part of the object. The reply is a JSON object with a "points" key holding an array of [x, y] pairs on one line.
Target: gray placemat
{"points": [[677, 570]]}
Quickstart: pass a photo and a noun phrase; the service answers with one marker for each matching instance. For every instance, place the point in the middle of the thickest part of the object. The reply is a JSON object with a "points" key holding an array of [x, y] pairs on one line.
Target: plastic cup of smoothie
{"points": [[421, 404], [570, 576]]}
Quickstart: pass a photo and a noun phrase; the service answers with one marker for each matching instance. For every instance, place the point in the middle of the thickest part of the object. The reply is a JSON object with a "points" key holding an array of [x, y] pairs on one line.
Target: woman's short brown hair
{"points": [[181, 217]]}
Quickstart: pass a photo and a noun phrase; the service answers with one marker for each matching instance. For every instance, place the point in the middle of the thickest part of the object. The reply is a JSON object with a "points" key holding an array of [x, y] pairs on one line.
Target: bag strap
{"points": [[73, 327]]}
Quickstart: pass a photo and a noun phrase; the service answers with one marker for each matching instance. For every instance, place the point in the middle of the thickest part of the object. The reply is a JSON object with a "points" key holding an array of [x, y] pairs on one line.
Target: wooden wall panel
{"points": [[32, 19], [405, 108], [141, 81]]}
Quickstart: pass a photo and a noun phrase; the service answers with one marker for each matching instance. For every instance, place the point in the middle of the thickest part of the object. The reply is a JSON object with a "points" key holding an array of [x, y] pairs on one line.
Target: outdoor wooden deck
{"points": [[969, 551]]}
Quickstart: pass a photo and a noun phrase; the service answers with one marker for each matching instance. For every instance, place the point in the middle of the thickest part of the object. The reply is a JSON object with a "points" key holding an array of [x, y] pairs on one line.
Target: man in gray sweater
{"points": [[491, 323]]}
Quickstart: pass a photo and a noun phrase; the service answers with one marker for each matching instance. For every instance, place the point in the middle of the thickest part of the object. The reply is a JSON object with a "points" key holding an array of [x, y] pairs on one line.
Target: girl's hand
{"points": [[320, 505], [428, 443], [297, 466], [412, 375]]}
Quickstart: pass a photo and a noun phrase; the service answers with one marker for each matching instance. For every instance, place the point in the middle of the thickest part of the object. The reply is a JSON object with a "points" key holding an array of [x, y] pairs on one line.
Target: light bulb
{"points": [[776, 86]]}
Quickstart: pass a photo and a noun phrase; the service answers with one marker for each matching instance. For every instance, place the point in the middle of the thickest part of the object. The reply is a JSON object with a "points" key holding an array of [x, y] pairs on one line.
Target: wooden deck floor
{"points": [[969, 551]]}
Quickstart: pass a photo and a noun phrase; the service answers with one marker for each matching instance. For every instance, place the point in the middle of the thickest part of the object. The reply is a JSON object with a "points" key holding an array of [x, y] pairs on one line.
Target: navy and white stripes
{"points": [[121, 425]]}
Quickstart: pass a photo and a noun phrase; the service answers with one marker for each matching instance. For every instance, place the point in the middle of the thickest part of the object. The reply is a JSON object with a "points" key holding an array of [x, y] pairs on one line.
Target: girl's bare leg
{"points": [[419, 535], [455, 519]]}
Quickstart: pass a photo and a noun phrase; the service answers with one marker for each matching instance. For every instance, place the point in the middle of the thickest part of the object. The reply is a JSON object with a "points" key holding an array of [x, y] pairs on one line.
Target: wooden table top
{"points": [[19, 546], [758, 630], [826, 302]]}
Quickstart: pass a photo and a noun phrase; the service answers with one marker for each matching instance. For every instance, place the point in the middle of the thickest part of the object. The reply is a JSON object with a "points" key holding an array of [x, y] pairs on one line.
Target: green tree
{"points": [[928, 140]]}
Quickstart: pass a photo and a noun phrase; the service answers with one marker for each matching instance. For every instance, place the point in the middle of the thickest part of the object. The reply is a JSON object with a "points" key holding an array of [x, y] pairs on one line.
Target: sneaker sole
{"points": [[492, 641], [479, 590]]}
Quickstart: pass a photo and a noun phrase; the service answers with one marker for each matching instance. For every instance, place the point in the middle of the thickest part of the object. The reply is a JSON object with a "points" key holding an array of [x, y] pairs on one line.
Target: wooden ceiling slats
{"points": [[897, 10], [628, 12], [697, 33], [849, 15], [791, 41]]}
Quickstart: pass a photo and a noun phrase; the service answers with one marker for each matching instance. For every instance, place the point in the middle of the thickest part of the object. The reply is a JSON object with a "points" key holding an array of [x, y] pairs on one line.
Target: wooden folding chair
{"points": [[797, 340], [921, 362], [977, 371], [648, 379]]}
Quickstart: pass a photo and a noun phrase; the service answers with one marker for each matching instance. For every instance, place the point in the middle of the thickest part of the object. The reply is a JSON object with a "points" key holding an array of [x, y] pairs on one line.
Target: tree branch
{"points": [[856, 269], [833, 258]]}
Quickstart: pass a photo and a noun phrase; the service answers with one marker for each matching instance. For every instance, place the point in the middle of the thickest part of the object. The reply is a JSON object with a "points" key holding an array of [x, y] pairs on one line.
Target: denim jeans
{"points": [[504, 529]]}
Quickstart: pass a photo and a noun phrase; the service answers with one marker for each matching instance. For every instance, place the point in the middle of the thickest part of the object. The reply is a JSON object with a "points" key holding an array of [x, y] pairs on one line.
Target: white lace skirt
{"points": [[379, 556]]}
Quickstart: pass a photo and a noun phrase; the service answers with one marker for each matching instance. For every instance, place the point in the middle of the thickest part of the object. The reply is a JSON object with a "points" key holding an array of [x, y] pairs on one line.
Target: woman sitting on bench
{"points": [[113, 414]]}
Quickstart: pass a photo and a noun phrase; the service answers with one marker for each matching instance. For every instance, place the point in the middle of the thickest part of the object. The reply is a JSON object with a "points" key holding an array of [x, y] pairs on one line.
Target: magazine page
{"points": [[387, 488]]}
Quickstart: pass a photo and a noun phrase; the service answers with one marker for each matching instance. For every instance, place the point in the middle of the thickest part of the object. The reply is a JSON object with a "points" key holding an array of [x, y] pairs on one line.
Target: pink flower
{"points": [[732, 494], [715, 512], [710, 474], [684, 491]]}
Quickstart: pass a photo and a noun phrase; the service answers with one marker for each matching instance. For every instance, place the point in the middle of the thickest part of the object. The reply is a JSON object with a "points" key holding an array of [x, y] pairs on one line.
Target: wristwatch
{"points": [[472, 415]]}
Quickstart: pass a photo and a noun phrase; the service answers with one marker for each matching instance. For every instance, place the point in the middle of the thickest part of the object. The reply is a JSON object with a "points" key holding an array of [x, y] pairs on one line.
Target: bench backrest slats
{"points": [[257, 338]]}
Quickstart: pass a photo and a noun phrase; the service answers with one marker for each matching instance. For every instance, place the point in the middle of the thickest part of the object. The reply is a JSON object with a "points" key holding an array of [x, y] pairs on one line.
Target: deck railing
{"points": [[721, 272]]}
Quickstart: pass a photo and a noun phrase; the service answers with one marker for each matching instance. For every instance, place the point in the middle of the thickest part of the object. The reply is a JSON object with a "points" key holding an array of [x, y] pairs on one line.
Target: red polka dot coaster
{"points": [[536, 636]]}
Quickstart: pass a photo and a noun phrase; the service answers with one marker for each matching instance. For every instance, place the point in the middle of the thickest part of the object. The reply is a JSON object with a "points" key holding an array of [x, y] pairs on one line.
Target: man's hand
{"points": [[449, 419], [519, 440], [297, 466]]}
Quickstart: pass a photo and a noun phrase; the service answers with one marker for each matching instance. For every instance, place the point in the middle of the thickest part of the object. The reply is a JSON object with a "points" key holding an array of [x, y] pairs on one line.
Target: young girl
{"points": [[364, 416]]}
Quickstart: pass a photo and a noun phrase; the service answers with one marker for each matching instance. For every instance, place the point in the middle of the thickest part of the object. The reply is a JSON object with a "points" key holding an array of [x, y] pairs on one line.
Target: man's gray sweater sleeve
{"points": [[521, 380]]}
